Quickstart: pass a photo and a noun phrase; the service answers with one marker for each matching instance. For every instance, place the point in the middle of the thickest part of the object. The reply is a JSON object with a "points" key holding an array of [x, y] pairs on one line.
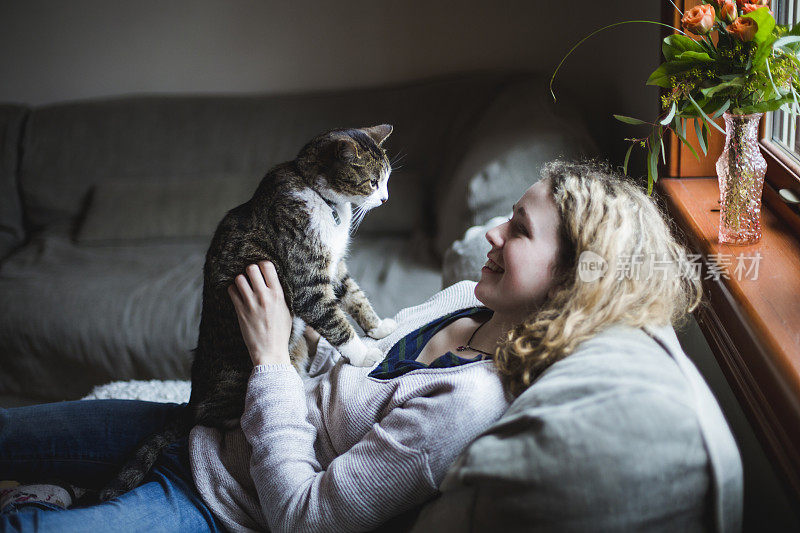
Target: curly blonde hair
{"points": [[646, 281]]}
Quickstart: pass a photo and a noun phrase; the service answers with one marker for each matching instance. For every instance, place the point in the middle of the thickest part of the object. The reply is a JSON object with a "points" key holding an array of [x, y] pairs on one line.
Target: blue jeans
{"points": [[85, 443]]}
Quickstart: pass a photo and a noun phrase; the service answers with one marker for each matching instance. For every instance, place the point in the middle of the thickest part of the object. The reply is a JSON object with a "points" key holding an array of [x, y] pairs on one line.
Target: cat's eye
{"points": [[374, 183]]}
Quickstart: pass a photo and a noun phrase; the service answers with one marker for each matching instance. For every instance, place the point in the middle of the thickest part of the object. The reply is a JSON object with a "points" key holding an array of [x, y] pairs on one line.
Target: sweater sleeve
{"points": [[378, 478]]}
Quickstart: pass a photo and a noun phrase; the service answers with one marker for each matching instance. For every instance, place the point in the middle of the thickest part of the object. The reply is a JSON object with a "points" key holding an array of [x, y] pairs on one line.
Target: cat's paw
{"points": [[371, 356], [386, 327], [359, 354]]}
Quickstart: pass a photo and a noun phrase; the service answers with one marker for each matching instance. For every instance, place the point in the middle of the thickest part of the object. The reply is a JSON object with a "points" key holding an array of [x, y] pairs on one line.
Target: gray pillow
{"points": [[520, 131], [126, 210], [615, 437], [465, 257]]}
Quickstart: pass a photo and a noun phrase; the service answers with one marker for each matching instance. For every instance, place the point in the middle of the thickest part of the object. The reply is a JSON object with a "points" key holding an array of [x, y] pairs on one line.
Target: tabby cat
{"points": [[299, 218]]}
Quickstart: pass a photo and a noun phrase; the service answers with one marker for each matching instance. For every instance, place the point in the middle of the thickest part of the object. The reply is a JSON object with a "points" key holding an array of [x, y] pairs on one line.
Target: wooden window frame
{"points": [[783, 172], [751, 334]]}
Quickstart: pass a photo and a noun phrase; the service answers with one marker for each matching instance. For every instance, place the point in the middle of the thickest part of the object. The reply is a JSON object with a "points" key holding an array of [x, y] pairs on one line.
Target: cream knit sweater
{"points": [[341, 451]]}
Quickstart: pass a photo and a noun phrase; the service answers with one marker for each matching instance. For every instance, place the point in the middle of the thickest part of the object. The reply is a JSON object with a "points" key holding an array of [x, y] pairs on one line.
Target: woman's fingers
{"points": [[263, 278], [245, 292], [271, 276], [256, 280], [235, 298]]}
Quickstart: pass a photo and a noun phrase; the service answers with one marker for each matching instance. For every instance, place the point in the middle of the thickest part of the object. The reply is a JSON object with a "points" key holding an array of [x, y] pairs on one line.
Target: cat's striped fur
{"points": [[299, 218]]}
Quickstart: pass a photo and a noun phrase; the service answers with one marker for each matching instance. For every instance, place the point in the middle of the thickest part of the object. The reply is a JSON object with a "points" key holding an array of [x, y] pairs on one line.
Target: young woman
{"points": [[348, 448]]}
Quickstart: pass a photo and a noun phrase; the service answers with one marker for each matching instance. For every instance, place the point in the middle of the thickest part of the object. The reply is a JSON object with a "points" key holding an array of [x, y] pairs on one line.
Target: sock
{"points": [[55, 493]]}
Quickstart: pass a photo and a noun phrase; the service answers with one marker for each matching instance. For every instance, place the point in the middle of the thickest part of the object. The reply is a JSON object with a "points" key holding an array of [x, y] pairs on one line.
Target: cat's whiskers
{"points": [[396, 159], [359, 212]]}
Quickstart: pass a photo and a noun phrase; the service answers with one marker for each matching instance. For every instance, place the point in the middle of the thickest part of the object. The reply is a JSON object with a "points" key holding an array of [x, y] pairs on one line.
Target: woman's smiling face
{"points": [[520, 267]]}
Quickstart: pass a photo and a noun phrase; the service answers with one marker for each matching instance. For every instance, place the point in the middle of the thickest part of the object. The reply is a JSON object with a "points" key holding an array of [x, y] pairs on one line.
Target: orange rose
{"points": [[742, 3], [743, 28], [749, 8], [699, 20], [727, 11]]}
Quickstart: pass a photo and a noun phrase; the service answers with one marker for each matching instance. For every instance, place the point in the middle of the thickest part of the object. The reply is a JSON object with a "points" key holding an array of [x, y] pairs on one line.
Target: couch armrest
{"points": [[518, 132], [12, 231]]}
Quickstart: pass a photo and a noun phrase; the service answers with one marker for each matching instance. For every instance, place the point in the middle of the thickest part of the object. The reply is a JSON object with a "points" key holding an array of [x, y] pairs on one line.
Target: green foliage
{"points": [[627, 157], [694, 56], [763, 107], [763, 51], [652, 160], [662, 76], [704, 78], [629, 120], [724, 107], [701, 140], [669, 116], [711, 91], [675, 45]]}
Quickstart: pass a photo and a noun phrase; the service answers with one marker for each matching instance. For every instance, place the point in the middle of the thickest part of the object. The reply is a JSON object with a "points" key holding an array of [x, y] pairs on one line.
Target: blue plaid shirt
{"points": [[402, 357]]}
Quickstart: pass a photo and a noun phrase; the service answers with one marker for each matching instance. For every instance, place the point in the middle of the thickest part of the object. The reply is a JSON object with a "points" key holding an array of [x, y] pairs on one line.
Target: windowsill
{"points": [[752, 325]]}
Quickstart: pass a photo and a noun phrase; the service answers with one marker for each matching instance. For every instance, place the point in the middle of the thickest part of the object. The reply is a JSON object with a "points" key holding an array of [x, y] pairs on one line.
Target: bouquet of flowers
{"points": [[738, 60]]}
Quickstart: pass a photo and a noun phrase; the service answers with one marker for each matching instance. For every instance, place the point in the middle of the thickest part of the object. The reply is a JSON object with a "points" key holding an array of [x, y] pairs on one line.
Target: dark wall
{"points": [[54, 50]]}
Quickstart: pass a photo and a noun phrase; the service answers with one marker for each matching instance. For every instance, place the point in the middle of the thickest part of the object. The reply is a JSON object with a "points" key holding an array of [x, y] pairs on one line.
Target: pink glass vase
{"points": [[740, 170]]}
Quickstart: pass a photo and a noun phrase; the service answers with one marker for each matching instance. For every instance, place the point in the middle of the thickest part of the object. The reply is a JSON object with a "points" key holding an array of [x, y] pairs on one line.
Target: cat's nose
{"points": [[383, 200]]}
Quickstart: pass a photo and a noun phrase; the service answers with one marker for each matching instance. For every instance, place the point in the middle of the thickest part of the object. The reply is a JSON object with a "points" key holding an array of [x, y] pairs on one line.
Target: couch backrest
{"points": [[70, 147], [12, 118]]}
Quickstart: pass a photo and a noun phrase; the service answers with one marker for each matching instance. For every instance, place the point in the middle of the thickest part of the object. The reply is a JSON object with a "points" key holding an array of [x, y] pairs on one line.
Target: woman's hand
{"points": [[264, 318]]}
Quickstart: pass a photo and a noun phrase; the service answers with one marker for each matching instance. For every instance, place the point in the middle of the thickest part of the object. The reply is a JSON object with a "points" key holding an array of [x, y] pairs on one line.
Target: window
{"points": [[781, 127], [780, 142]]}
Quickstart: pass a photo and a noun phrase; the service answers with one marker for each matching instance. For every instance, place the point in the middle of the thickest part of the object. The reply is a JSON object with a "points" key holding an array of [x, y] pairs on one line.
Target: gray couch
{"points": [[107, 207]]}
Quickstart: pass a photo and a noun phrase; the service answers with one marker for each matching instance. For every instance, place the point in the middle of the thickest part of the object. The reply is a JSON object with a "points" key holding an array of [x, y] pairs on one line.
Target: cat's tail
{"points": [[146, 455]]}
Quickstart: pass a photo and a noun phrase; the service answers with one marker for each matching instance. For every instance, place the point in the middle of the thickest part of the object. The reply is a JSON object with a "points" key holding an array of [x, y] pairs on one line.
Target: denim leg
{"points": [[85, 443], [166, 501], [82, 442]]}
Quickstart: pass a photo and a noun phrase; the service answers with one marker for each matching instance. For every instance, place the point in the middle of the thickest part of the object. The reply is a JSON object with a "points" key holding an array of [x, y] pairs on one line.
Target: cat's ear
{"points": [[379, 133], [346, 150]]}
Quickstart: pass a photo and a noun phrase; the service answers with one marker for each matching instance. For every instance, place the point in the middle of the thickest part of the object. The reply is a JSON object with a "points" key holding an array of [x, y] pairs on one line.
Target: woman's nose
{"points": [[494, 236]]}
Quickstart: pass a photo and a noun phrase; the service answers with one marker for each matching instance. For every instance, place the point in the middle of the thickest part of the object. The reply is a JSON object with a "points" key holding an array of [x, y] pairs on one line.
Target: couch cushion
{"points": [[125, 210], [132, 210], [78, 316], [12, 232]]}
